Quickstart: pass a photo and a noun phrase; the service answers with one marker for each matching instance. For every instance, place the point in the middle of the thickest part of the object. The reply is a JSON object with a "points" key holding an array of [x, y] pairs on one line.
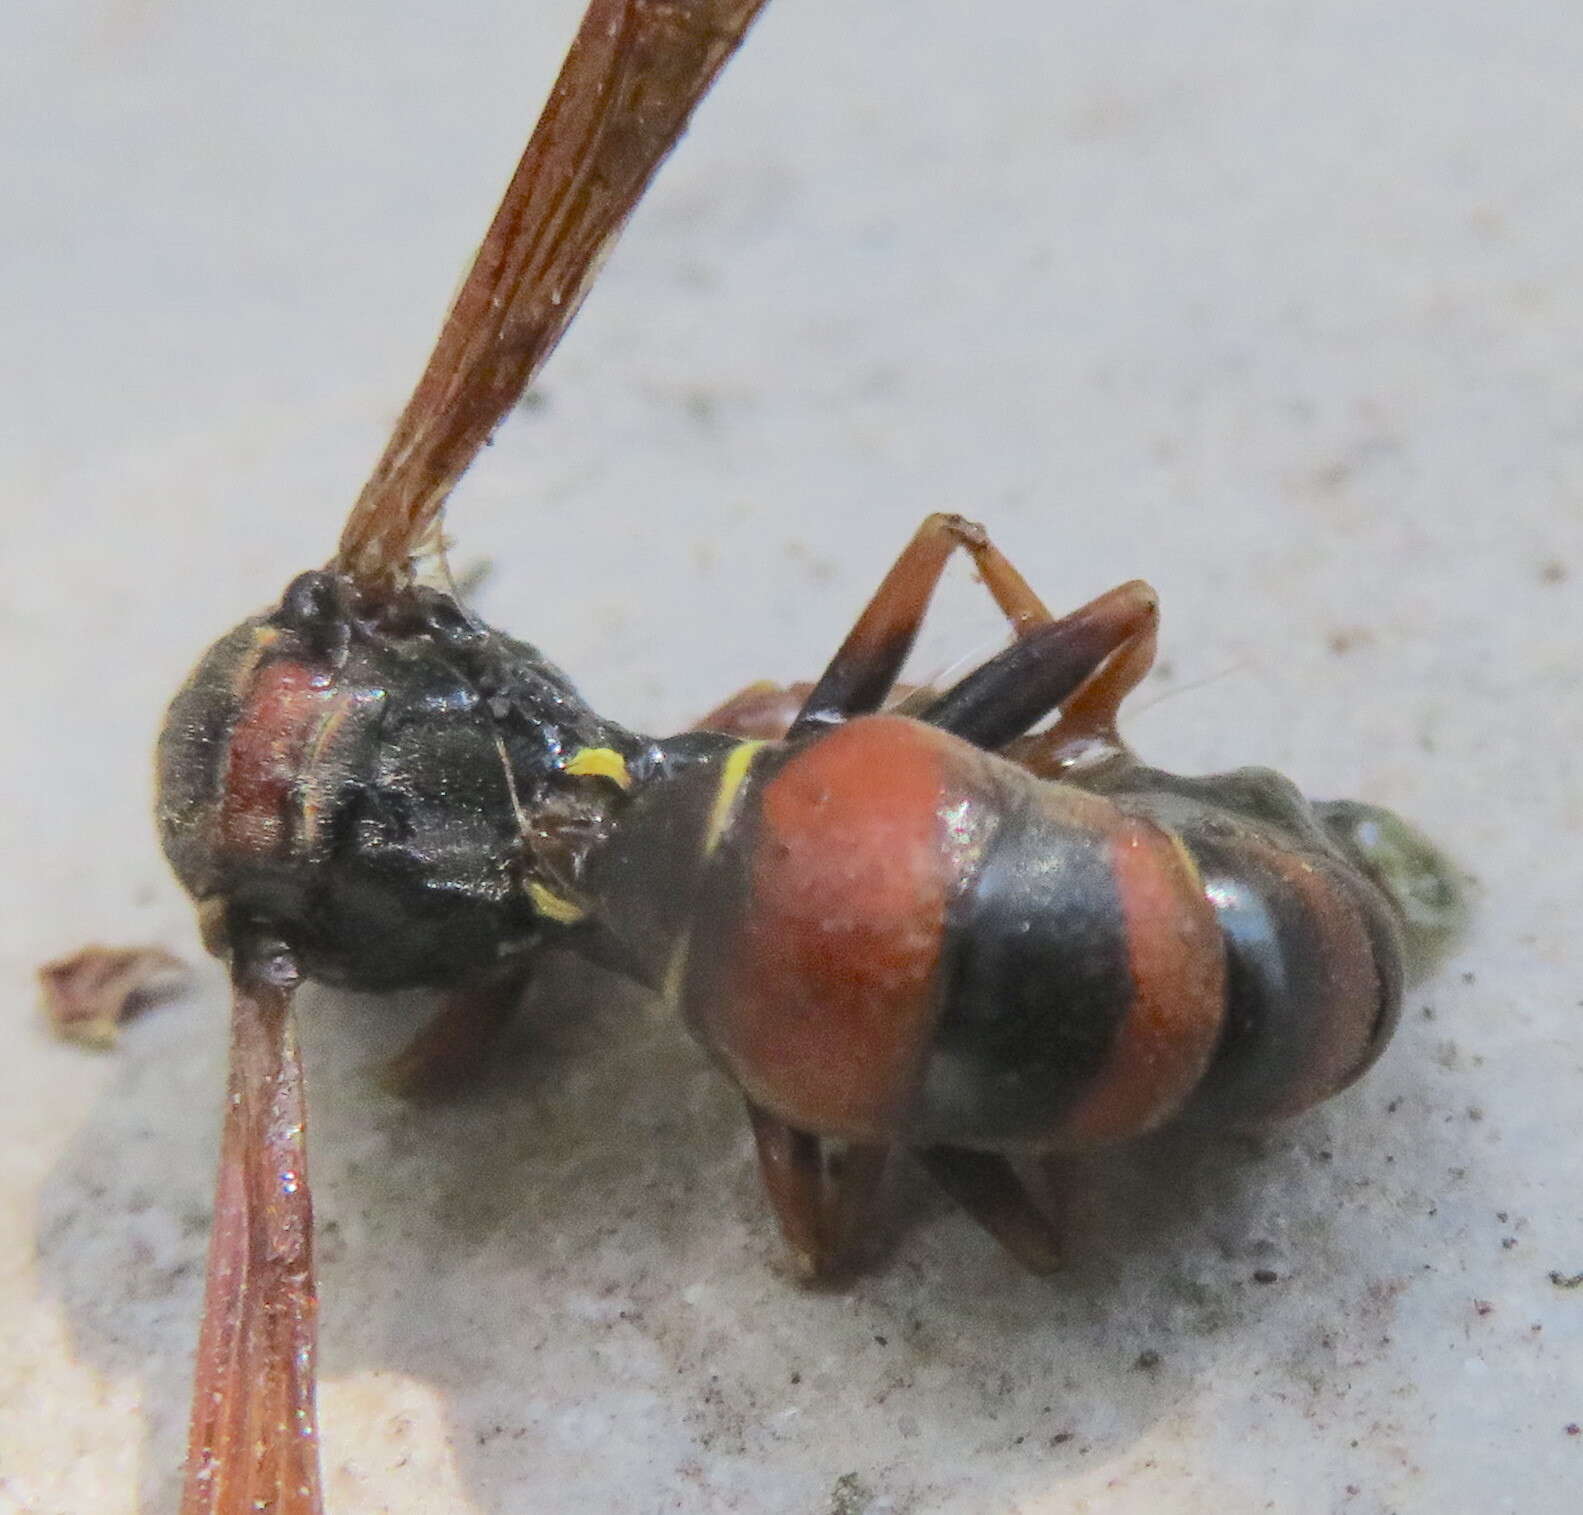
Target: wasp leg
{"points": [[793, 1170], [454, 1044], [853, 1180], [1086, 731], [762, 712], [988, 1188], [863, 671], [1052, 666], [822, 1199]]}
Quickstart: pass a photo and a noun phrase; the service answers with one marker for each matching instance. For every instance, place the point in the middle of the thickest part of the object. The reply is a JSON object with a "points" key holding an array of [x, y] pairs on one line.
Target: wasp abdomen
{"points": [[893, 935], [1083, 980], [1313, 950]]}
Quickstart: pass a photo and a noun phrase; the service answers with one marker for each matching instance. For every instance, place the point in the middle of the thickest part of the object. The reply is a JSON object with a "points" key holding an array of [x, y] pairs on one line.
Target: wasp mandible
{"points": [[918, 919]]}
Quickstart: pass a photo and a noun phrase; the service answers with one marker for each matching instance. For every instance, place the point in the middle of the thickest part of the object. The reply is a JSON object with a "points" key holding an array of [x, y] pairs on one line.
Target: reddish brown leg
{"points": [[822, 1200], [793, 1178], [762, 712], [863, 671], [987, 1187], [454, 1044], [1086, 731]]}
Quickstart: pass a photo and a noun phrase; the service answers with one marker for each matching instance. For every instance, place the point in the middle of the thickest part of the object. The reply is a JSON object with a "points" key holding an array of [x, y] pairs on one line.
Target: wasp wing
{"points": [[635, 71], [253, 1439]]}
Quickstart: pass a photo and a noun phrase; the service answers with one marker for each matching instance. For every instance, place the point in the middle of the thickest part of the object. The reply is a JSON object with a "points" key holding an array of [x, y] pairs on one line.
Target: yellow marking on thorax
{"points": [[1188, 861], [733, 774], [670, 996], [555, 907], [599, 762]]}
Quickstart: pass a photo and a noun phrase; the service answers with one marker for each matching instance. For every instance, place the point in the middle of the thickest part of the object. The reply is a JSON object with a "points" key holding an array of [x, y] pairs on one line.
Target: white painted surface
{"points": [[1279, 304]]}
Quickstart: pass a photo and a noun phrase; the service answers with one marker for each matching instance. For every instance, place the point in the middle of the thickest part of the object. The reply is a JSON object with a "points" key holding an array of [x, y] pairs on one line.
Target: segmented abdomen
{"points": [[1313, 949], [886, 934]]}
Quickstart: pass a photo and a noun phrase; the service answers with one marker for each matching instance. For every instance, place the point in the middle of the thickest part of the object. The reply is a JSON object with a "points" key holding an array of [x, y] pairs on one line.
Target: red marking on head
{"points": [[827, 1008], [284, 706], [1176, 958]]}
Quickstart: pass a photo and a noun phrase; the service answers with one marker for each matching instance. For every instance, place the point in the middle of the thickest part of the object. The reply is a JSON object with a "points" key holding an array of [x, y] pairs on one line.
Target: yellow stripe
{"points": [[733, 774], [601, 763], [676, 973], [563, 911], [1188, 861]]}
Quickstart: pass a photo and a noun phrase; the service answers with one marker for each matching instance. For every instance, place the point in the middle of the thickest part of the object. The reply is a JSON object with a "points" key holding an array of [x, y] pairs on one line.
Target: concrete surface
{"points": [[1279, 304]]}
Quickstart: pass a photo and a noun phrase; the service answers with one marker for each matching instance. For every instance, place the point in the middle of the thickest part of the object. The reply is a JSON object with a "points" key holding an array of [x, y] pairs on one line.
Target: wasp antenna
{"points": [[634, 74]]}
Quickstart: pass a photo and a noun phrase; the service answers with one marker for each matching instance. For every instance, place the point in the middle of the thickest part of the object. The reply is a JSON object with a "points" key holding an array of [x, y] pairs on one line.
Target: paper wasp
{"points": [[897, 919]]}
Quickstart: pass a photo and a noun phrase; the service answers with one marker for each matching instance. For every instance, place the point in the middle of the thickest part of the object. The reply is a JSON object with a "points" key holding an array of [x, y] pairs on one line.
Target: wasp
{"points": [[965, 922]]}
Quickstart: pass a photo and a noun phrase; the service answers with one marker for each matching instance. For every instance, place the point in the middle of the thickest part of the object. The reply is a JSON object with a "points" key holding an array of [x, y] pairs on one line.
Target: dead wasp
{"points": [[933, 926]]}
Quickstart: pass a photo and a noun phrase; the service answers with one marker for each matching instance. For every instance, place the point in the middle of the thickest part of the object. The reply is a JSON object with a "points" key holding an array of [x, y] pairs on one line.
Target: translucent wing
{"points": [[635, 71], [253, 1439]]}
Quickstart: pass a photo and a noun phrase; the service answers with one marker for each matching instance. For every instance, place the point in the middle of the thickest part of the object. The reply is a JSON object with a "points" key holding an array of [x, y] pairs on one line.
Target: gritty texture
{"points": [[1277, 304]]}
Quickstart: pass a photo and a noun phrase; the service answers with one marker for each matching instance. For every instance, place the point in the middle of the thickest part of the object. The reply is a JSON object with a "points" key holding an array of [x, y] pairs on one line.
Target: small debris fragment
{"points": [[1566, 1280], [1344, 639], [851, 1496], [1573, 1428], [1483, 1307], [1147, 1361], [90, 993], [1265, 1275]]}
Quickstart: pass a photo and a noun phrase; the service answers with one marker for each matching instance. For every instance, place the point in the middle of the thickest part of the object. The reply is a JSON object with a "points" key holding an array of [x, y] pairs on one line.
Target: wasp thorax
{"points": [[356, 780]]}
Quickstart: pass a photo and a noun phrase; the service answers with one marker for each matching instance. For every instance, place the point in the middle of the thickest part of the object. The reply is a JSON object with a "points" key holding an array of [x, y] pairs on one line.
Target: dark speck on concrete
{"points": [[850, 1496]]}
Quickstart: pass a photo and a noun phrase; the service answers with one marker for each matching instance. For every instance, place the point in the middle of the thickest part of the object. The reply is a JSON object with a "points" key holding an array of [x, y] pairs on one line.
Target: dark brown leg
{"points": [[853, 1180], [453, 1046], [987, 1187], [1053, 666], [823, 1200], [862, 672], [1086, 731]]}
